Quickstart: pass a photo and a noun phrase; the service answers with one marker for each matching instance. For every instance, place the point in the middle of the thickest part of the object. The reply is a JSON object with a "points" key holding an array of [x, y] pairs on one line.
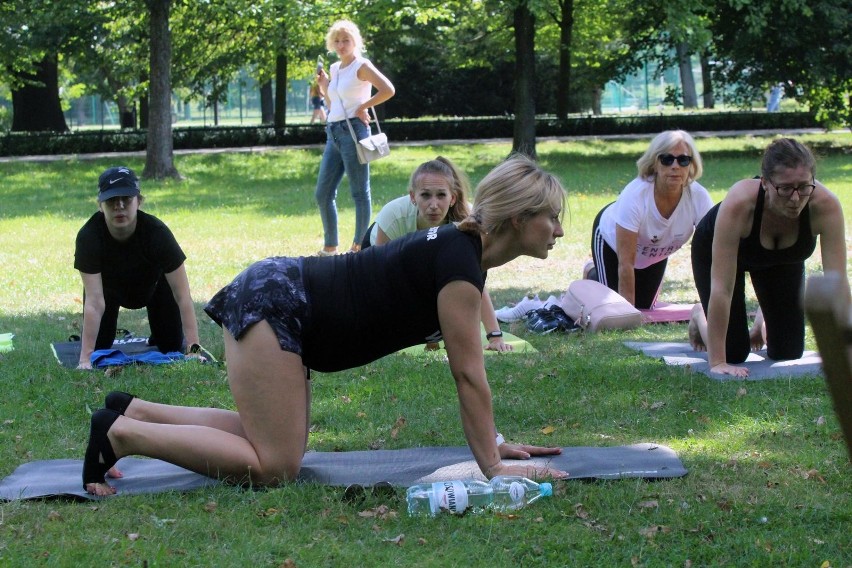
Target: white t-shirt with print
{"points": [[657, 237]]}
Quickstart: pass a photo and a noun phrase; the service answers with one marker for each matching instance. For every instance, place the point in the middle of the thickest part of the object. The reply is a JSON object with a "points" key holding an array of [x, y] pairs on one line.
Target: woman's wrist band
{"points": [[500, 439]]}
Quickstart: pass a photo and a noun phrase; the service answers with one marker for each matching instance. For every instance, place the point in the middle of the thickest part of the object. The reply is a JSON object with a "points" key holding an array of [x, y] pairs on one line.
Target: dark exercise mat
{"points": [[759, 367], [68, 352], [63, 478]]}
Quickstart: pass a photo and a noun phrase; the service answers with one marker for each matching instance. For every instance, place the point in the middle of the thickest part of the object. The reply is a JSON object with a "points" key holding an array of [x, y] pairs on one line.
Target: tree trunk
{"points": [[707, 81], [280, 90], [267, 106], [159, 155], [36, 105], [563, 82], [126, 113], [524, 131], [687, 80]]}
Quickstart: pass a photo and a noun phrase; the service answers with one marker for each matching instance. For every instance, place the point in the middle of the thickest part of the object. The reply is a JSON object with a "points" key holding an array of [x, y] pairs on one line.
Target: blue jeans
{"points": [[340, 157]]}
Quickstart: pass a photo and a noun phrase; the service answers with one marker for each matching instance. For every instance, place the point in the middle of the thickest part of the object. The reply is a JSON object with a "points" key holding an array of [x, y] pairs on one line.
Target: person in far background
{"points": [[317, 103], [347, 91], [766, 226], [437, 195], [128, 258], [775, 93], [652, 218]]}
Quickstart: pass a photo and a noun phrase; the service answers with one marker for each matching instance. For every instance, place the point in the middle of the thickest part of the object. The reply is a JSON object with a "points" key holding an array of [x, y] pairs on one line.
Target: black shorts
{"points": [[271, 289]]}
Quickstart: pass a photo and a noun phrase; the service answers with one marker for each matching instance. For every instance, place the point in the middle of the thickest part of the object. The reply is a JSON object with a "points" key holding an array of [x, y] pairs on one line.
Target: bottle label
{"points": [[517, 491], [450, 496]]}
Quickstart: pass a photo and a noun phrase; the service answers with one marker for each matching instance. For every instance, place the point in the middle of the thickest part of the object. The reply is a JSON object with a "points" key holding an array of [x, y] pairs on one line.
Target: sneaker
{"points": [[517, 312], [548, 320], [587, 270], [551, 301], [324, 253]]}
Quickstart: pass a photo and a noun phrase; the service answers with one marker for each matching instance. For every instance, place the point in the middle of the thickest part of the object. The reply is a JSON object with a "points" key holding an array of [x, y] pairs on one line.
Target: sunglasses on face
{"points": [[668, 159]]}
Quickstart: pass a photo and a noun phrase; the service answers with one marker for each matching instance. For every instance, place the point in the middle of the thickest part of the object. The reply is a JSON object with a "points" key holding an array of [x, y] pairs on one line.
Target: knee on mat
{"points": [[784, 354], [277, 475]]}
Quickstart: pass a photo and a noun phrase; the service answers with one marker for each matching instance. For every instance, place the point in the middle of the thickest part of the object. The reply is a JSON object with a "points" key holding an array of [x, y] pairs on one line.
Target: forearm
{"points": [[478, 424], [91, 325], [489, 318], [627, 282], [190, 323], [718, 316]]}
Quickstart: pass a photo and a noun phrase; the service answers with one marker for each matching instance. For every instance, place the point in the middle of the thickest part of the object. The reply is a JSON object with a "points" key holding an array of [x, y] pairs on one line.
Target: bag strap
{"points": [[349, 124]]}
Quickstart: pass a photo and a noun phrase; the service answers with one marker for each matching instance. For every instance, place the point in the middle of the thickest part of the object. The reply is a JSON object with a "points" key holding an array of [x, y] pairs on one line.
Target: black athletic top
{"points": [[367, 305], [133, 267], [751, 253]]}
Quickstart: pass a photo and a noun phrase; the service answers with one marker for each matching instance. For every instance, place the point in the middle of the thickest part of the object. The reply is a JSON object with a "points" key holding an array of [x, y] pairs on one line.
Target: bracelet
{"points": [[488, 469], [493, 334], [193, 349], [500, 439]]}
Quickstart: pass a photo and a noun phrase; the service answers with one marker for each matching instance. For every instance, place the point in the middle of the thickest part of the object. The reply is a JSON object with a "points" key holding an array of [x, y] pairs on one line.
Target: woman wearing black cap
{"points": [[130, 259]]}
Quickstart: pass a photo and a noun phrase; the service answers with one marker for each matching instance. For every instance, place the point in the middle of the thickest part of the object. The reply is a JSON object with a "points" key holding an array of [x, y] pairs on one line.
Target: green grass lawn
{"points": [[770, 483]]}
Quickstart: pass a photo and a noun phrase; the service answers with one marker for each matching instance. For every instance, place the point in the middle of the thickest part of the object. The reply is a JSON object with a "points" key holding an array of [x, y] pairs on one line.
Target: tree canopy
{"points": [[445, 57]]}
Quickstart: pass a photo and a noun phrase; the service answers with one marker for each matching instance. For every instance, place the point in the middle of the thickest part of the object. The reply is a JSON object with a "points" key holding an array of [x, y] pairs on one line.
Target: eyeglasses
{"points": [[668, 159], [803, 190]]}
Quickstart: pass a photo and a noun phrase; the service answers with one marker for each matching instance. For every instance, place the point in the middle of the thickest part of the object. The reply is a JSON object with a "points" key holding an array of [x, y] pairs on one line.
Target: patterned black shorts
{"points": [[271, 290]]}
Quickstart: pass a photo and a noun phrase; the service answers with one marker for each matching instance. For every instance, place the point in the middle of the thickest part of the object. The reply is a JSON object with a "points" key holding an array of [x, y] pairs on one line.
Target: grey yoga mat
{"points": [[63, 478], [759, 367]]}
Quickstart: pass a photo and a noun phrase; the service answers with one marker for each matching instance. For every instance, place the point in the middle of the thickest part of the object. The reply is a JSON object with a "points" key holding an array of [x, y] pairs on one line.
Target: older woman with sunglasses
{"points": [[652, 218], [767, 226]]}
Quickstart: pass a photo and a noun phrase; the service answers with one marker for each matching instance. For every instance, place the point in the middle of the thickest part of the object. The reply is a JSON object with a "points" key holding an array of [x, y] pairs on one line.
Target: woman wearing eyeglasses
{"points": [[652, 218], [768, 227]]}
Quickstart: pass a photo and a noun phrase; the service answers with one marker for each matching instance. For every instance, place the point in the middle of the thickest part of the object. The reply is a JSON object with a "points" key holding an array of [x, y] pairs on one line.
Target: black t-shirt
{"points": [[367, 305], [131, 268]]}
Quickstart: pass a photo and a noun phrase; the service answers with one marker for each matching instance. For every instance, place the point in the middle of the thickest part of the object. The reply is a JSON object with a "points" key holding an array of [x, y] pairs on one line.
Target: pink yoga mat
{"points": [[663, 312]]}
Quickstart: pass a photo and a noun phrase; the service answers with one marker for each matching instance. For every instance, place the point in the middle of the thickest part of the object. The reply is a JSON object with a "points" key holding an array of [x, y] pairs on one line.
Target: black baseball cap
{"points": [[119, 181]]}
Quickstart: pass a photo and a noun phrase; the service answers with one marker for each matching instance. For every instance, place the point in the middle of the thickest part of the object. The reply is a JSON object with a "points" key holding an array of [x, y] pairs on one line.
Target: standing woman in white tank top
{"points": [[347, 91]]}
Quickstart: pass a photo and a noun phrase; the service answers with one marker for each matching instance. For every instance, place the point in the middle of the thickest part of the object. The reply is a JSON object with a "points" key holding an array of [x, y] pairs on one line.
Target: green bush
{"points": [[86, 142]]}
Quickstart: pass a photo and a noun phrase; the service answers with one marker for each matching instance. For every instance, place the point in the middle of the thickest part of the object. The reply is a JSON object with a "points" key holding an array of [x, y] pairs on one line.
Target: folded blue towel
{"points": [[111, 357]]}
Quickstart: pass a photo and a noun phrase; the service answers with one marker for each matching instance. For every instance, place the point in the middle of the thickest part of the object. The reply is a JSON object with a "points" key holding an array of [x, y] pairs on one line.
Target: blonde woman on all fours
{"points": [[280, 315]]}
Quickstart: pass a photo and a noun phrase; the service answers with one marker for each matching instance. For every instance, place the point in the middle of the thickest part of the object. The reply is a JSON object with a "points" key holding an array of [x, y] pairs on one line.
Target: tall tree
{"points": [[523, 139], [803, 43], [564, 19], [687, 79], [35, 98], [34, 39], [159, 155]]}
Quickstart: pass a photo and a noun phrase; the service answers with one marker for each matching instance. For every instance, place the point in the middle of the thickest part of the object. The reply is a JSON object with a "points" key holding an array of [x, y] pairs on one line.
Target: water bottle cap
{"points": [[546, 489]]}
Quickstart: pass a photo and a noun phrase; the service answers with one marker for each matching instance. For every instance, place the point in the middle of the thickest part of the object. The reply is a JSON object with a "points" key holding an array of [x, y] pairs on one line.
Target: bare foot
{"points": [[100, 489], [757, 333], [696, 323]]}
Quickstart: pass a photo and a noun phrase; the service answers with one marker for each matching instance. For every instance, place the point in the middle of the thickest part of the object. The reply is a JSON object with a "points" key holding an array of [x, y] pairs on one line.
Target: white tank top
{"points": [[345, 86]]}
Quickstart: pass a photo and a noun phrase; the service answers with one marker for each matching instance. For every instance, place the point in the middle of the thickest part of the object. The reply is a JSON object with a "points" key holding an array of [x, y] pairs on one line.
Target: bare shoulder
{"points": [[826, 210], [739, 203]]}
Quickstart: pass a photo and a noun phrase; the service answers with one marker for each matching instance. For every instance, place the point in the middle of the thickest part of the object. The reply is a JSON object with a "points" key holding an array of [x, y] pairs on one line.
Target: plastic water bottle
{"points": [[512, 492], [456, 497]]}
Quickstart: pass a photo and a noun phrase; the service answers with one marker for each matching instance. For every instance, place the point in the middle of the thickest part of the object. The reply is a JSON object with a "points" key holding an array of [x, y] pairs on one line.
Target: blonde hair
{"points": [[517, 187], [662, 144], [456, 180], [349, 28]]}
